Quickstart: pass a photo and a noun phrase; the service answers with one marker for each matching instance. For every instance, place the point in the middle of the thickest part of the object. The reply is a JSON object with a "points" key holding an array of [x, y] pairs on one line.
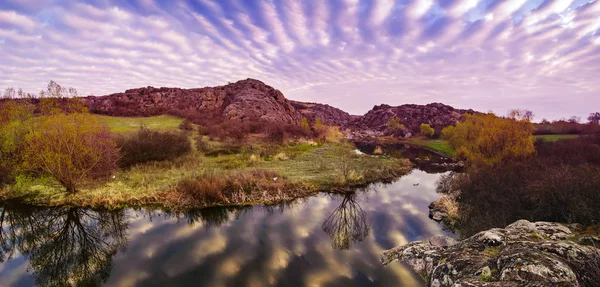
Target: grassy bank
{"points": [[244, 175]]}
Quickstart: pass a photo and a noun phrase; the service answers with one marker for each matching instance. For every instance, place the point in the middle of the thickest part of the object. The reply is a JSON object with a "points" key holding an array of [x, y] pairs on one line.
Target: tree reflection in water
{"points": [[65, 246], [347, 224]]}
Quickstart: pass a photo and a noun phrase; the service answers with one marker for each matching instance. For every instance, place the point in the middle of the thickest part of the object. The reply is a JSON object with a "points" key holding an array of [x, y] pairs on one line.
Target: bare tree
{"points": [[9, 93], [65, 246], [347, 224], [594, 118]]}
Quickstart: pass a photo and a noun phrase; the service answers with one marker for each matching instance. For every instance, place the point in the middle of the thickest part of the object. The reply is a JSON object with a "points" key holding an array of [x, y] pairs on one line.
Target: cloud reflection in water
{"points": [[326, 240]]}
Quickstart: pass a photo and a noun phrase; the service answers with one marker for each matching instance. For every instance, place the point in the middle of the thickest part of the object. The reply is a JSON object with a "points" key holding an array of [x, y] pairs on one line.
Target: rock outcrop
{"points": [[437, 115], [522, 254], [244, 100], [329, 115]]}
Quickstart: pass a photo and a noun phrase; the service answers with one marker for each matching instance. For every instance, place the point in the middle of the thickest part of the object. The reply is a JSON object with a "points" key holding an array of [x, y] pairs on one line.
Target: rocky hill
{"points": [[245, 100], [411, 116], [252, 100], [329, 115]]}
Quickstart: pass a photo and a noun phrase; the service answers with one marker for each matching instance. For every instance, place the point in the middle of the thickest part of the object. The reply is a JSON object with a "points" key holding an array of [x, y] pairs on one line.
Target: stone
{"points": [[508, 256]]}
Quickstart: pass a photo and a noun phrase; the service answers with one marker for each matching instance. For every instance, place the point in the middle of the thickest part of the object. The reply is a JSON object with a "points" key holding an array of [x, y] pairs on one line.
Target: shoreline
{"points": [[197, 181]]}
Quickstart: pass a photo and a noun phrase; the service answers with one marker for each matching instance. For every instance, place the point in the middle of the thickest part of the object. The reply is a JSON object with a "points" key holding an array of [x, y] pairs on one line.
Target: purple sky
{"points": [[541, 55]]}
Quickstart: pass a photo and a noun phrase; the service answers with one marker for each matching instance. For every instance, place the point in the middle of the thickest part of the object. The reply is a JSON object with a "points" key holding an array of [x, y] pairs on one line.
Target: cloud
{"points": [[347, 53]]}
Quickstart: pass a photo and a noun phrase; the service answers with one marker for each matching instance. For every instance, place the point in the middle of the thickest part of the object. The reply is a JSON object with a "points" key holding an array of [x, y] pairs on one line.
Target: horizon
{"points": [[352, 55]]}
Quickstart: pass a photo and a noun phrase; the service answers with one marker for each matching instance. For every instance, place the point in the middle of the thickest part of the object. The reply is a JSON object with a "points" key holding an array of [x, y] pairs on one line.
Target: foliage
{"points": [[305, 125], [427, 130], [393, 124], [147, 145], [489, 140], [71, 148], [344, 163], [16, 121], [186, 125]]}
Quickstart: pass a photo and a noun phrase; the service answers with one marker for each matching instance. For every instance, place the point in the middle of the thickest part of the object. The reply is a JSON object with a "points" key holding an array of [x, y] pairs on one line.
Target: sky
{"points": [[487, 55]]}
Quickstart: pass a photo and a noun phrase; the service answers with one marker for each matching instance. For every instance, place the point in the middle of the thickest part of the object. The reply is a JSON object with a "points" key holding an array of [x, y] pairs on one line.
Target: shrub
{"points": [[201, 145], [71, 148], [489, 140], [146, 145], [393, 125], [186, 125], [246, 186], [427, 130], [275, 134]]}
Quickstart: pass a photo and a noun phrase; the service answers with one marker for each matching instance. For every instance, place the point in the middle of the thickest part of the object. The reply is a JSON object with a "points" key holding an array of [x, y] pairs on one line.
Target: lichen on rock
{"points": [[521, 254]]}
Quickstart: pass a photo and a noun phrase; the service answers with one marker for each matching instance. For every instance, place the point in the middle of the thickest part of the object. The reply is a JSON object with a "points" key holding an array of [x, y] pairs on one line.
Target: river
{"points": [[325, 240]]}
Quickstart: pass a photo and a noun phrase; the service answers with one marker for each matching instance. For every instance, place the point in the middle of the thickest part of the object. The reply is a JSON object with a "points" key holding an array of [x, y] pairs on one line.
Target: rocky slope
{"points": [[522, 254], [245, 100], [438, 115], [329, 115]]}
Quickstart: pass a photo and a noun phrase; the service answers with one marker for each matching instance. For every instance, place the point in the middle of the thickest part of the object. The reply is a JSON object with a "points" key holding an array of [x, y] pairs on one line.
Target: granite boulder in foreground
{"points": [[522, 254]]}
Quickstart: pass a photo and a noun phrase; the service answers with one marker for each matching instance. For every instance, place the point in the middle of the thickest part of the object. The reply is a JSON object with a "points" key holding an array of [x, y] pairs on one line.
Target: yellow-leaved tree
{"points": [[486, 139], [427, 130], [71, 148]]}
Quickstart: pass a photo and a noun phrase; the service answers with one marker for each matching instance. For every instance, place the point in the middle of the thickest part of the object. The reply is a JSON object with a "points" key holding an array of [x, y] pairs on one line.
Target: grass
{"points": [[436, 145], [555, 138], [244, 178], [132, 124]]}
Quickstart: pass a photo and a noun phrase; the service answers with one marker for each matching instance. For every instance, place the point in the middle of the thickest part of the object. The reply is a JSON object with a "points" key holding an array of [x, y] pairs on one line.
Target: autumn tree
{"points": [[393, 125], [427, 130], [16, 120], [71, 148], [489, 140], [305, 126]]}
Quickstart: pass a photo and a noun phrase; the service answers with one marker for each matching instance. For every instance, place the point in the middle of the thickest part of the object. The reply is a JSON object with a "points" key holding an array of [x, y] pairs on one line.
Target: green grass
{"points": [[555, 138], [131, 124], [437, 145]]}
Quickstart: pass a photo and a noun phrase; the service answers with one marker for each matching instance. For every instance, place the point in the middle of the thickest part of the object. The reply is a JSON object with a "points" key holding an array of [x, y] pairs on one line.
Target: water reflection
{"points": [[65, 246], [347, 223], [325, 240]]}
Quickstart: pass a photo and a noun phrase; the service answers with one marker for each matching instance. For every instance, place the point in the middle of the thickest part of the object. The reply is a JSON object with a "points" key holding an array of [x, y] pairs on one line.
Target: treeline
{"points": [[572, 125]]}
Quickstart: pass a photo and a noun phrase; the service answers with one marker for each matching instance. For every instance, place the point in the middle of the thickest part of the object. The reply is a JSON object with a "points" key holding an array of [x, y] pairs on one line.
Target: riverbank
{"points": [[221, 177]]}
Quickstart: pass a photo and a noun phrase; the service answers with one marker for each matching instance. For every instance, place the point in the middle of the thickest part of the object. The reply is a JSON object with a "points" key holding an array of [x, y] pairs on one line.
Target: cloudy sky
{"points": [[543, 55]]}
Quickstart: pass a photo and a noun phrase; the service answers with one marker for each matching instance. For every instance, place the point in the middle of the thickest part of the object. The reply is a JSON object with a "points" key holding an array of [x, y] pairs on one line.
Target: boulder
{"points": [[521, 254]]}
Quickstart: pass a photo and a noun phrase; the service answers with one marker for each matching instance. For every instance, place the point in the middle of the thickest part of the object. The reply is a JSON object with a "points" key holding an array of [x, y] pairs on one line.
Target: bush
{"points": [[246, 186], [490, 140], [186, 125], [146, 145], [71, 148], [427, 130]]}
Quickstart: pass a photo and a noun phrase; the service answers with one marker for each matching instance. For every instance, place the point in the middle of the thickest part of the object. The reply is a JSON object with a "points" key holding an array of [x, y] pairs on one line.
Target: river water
{"points": [[325, 240]]}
